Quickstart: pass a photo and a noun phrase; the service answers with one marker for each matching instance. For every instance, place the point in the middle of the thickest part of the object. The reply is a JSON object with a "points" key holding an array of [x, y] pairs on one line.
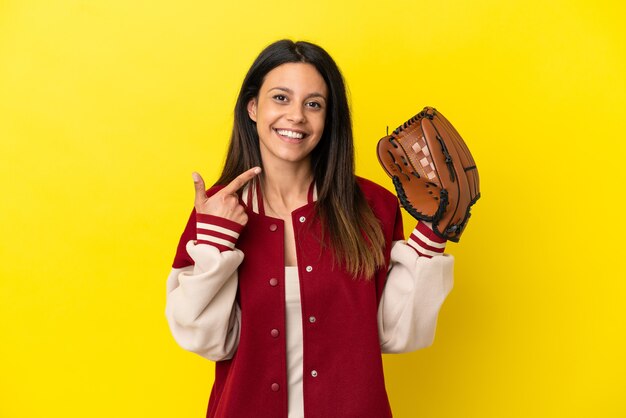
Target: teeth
{"points": [[290, 134]]}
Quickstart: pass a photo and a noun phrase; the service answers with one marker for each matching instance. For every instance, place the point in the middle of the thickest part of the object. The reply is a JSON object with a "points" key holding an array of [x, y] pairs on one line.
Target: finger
{"points": [[198, 184], [241, 180]]}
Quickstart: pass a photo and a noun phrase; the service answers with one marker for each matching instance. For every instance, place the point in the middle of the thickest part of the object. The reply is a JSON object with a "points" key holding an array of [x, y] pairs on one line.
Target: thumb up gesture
{"points": [[224, 203]]}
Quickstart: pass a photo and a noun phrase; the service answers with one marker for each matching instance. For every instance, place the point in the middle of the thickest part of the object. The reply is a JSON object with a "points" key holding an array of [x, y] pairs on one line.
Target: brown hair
{"points": [[355, 233]]}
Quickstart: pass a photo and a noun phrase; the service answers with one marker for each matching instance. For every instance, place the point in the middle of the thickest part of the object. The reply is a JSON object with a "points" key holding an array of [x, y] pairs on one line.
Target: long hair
{"points": [[355, 234]]}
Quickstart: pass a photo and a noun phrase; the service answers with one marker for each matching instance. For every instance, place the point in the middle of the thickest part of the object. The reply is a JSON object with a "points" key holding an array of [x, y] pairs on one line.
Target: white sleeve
{"points": [[415, 290], [201, 308]]}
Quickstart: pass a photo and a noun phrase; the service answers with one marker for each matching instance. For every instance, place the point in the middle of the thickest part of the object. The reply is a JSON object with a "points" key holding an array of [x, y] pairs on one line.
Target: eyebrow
{"points": [[288, 90]]}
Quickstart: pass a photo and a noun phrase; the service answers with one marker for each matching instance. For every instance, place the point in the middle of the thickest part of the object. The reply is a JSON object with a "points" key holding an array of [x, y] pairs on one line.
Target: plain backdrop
{"points": [[106, 107]]}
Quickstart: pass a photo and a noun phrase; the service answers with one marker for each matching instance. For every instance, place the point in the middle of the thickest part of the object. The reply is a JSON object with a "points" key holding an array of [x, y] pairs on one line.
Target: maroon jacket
{"points": [[342, 364]]}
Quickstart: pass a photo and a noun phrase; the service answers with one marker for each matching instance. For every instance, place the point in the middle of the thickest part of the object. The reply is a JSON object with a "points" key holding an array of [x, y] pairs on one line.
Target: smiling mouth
{"points": [[290, 134]]}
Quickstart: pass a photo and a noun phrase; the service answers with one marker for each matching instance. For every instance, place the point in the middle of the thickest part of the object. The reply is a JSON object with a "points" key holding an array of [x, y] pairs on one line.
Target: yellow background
{"points": [[106, 107]]}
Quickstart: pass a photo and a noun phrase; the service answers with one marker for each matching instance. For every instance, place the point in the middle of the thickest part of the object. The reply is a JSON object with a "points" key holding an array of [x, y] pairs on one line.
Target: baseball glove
{"points": [[433, 171]]}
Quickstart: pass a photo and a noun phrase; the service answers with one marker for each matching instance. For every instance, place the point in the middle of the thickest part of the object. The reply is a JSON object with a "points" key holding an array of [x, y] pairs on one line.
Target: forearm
{"points": [[419, 279], [201, 303]]}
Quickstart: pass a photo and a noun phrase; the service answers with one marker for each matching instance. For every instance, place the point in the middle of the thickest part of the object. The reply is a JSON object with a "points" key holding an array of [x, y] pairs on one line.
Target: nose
{"points": [[296, 115]]}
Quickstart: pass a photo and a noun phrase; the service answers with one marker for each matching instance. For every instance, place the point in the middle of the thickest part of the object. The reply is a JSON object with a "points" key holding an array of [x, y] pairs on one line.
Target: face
{"points": [[289, 112]]}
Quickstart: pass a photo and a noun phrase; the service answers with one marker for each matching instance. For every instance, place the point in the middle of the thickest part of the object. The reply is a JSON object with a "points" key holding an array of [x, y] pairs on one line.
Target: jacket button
{"points": [[309, 269], [273, 282], [312, 319], [302, 219], [275, 387], [275, 333], [314, 373], [273, 227]]}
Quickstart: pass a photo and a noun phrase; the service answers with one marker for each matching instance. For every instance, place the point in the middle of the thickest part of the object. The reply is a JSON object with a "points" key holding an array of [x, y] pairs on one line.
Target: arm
{"points": [[419, 279], [200, 307]]}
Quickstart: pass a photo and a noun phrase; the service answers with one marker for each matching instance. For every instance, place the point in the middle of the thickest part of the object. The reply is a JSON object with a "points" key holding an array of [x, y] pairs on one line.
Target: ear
{"points": [[252, 109]]}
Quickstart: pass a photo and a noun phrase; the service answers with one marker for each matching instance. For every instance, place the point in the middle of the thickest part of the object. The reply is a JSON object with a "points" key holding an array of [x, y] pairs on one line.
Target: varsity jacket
{"points": [[346, 321]]}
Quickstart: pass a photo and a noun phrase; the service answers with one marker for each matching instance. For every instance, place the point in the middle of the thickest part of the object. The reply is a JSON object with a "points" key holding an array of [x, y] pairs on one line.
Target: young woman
{"points": [[292, 273]]}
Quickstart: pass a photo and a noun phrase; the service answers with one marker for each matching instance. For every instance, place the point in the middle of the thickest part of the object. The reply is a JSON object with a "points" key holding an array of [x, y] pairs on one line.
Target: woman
{"points": [[293, 274]]}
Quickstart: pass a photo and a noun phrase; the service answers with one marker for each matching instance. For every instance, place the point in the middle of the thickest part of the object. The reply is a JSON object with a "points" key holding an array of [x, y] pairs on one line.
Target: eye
{"points": [[314, 105], [280, 97]]}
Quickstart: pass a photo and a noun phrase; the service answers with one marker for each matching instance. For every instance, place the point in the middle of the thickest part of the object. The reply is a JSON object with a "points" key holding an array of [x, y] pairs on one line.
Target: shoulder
{"points": [[375, 193], [384, 204]]}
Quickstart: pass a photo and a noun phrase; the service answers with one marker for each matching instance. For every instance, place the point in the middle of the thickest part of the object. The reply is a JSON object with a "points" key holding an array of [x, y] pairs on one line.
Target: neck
{"points": [[285, 187]]}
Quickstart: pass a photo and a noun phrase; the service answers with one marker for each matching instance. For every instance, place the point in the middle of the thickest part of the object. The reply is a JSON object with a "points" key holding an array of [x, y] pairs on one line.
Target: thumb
{"points": [[198, 184]]}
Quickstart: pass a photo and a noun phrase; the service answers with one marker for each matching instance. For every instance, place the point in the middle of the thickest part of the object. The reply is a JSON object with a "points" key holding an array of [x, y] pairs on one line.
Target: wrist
{"points": [[425, 242], [219, 232]]}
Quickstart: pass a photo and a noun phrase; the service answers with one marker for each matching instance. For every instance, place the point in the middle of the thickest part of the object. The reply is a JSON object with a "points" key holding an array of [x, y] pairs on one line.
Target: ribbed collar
{"points": [[253, 196]]}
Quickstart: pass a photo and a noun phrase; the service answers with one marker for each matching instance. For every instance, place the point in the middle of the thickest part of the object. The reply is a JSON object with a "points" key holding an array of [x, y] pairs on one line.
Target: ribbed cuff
{"points": [[216, 231], [426, 242]]}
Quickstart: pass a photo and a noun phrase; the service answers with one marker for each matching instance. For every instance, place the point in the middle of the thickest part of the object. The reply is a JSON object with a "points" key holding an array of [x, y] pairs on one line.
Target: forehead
{"points": [[296, 76]]}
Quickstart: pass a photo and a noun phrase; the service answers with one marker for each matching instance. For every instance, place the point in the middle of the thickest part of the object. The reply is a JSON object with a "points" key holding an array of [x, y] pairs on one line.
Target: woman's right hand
{"points": [[224, 203]]}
